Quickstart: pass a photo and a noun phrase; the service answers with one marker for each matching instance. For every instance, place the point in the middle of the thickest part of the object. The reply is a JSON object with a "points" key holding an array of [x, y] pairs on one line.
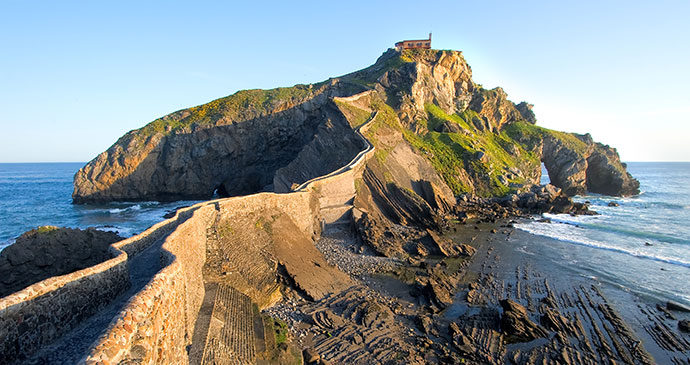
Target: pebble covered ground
{"points": [[341, 249]]}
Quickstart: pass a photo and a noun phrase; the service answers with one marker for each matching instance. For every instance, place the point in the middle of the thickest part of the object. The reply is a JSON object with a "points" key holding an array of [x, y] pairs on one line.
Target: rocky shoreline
{"points": [[498, 306]]}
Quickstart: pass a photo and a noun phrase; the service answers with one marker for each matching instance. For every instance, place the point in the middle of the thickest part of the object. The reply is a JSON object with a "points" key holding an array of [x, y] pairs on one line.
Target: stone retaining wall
{"points": [[39, 314], [158, 322]]}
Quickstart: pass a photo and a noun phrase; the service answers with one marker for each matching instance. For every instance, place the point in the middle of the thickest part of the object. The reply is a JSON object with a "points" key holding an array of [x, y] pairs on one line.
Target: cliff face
{"points": [[231, 146], [469, 138]]}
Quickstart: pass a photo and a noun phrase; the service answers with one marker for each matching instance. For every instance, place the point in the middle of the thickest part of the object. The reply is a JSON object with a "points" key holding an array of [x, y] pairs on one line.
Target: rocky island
{"points": [[364, 219]]}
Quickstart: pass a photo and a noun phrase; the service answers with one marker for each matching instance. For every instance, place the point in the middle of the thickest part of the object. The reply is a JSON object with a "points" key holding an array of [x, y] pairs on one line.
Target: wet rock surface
{"points": [[431, 309]]}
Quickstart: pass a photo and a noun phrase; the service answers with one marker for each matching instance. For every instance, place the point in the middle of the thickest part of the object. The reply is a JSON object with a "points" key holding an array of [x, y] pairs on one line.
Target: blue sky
{"points": [[74, 76]]}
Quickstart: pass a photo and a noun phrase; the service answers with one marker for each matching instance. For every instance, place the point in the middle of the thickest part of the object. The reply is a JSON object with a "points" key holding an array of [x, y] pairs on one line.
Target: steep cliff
{"points": [[456, 135], [231, 146]]}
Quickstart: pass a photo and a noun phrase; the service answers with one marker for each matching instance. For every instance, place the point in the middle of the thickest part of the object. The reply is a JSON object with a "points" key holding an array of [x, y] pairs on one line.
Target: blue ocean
{"points": [[642, 245], [39, 194]]}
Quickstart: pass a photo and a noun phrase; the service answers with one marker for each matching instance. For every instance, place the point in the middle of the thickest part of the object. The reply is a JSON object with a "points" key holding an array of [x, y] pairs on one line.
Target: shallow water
{"points": [[642, 245]]}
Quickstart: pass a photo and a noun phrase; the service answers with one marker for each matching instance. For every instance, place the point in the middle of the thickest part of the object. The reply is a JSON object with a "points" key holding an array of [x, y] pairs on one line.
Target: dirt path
{"points": [[71, 347]]}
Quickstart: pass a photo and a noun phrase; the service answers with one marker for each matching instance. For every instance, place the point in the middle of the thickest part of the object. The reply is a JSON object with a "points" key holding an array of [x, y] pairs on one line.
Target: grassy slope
{"points": [[239, 106], [450, 152]]}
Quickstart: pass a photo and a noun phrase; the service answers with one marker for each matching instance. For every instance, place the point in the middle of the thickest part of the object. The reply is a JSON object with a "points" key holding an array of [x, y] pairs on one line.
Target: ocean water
{"points": [[38, 194], [643, 245]]}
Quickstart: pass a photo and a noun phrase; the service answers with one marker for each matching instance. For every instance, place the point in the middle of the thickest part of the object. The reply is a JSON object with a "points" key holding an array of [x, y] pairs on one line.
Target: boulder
{"points": [[310, 356], [675, 306], [516, 325], [51, 251], [684, 325]]}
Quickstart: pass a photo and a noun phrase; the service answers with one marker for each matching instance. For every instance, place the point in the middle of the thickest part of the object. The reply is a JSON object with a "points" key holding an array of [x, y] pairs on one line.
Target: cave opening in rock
{"points": [[545, 179], [220, 192]]}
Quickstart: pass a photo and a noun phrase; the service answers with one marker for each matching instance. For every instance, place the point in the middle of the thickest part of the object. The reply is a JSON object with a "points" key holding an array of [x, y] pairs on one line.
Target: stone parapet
{"points": [[39, 314], [158, 322]]}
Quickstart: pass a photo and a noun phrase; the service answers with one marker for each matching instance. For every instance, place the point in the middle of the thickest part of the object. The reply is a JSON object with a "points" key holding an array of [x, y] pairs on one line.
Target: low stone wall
{"points": [[42, 312], [157, 324]]}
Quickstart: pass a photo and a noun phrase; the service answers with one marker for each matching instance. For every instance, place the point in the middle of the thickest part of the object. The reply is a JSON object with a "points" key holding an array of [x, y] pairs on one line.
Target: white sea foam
{"points": [[566, 234], [133, 208]]}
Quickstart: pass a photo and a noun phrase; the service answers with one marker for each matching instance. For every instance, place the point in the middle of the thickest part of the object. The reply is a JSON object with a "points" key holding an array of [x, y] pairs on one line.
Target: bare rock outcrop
{"points": [[516, 325], [580, 165], [50, 251], [494, 109], [440, 77], [231, 146]]}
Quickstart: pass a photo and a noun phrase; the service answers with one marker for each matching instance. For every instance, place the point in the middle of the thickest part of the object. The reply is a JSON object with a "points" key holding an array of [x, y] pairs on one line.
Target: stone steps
{"points": [[231, 336], [336, 213]]}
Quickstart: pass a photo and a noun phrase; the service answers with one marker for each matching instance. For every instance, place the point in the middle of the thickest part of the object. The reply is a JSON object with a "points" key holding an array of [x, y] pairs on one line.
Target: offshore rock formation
{"points": [[589, 166]]}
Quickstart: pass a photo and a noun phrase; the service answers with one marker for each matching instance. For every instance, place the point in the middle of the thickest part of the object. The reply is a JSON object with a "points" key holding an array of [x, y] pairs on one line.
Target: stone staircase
{"points": [[336, 204], [231, 337]]}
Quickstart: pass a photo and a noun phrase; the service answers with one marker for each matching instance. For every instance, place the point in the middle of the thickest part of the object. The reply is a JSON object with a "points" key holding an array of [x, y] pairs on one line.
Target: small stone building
{"points": [[421, 43]]}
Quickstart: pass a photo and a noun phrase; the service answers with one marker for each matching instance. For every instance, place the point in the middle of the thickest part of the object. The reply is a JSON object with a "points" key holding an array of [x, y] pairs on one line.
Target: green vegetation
{"points": [[263, 224], [531, 134], [280, 329], [225, 230], [240, 106], [368, 76], [359, 185], [438, 116], [46, 229], [381, 154], [453, 153]]}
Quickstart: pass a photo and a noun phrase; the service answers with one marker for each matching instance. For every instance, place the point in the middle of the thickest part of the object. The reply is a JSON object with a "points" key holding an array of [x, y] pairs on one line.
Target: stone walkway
{"points": [[71, 347], [231, 337]]}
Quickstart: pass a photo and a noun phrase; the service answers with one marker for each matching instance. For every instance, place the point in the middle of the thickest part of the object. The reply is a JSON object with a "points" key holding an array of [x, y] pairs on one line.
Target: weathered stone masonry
{"points": [[42, 312], [158, 322]]}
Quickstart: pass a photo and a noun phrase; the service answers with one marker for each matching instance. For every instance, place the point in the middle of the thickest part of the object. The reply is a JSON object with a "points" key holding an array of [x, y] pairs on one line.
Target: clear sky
{"points": [[74, 76]]}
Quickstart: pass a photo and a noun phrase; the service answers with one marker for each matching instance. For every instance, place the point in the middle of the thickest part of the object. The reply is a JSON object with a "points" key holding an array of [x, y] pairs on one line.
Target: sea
{"points": [[40, 194], [642, 245]]}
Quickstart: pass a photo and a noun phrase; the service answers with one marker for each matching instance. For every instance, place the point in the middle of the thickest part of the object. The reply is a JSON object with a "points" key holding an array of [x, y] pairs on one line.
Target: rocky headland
{"points": [[369, 219], [475, 140]]}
